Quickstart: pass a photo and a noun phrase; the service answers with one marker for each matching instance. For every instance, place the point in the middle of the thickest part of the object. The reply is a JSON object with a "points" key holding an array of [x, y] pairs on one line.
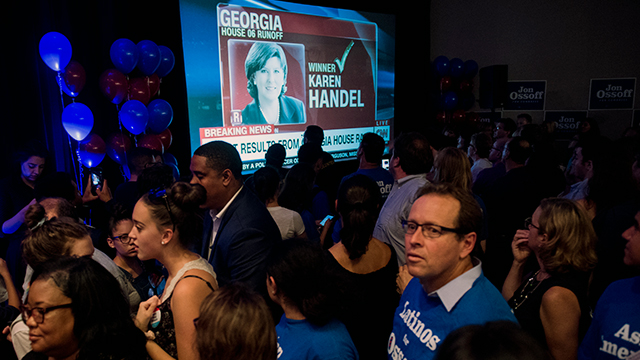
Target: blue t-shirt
{"points": [[301, 340], [422, 322], [615, 330]]}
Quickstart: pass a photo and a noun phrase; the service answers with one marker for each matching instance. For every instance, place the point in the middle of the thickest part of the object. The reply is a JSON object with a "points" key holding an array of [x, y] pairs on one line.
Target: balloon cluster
{"points": [[454, 88], [77, 119], [139, 115]]}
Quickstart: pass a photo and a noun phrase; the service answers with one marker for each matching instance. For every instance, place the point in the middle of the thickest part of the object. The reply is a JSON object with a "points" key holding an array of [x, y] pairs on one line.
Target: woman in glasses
{"points": [[118, 229], [75, 310], [551, 302], [165, 223]]}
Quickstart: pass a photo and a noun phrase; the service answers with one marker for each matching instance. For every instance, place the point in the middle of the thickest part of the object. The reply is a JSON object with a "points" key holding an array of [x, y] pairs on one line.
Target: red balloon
{"points": [[459, 116], [166, 137], [114, 85], [445, 83], [151, 141], [466, 86], [442, 117], [154, 84], [74, 78], [139, 90], [117, 145], [93, 144]]}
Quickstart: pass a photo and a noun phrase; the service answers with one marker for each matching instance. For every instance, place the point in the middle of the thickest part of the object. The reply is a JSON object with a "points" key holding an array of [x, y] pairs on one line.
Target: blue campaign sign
{"points": [[567, 122], [612, 94], [526, 95]]}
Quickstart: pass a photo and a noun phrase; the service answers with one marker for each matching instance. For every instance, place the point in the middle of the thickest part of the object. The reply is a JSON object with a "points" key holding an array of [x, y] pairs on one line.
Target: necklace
{"points": [[532, 284], [266, 118]]}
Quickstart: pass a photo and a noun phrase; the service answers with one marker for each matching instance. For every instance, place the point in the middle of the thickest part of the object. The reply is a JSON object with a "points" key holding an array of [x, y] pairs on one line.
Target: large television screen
{"points": [[260, 72]]}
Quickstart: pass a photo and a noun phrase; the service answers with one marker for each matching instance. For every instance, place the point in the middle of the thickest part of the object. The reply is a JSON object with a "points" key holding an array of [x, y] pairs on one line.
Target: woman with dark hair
{"points": [[16, 195], [367, 266], [551, 304], [266, 70], [49, 239], [165, 223], [298, 281], [235, 323], [267, 186], [75, 310]]}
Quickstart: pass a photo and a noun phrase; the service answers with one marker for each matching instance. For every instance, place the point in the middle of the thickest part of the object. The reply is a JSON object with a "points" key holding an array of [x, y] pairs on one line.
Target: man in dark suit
{"points": [[238, 232]]}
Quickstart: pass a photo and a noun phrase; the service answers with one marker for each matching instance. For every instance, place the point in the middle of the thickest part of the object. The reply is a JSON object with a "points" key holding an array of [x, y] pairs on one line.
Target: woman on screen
{"points": [[266, 70]]}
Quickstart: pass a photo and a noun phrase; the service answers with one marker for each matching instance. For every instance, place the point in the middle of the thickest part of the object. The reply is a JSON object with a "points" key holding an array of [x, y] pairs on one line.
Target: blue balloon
{"points": [[134, 116], [55, 50], [148, 57], [167, 60], [169, 159], [160, 115], [441, 64], [124, 55], [457, 67], [470, 68], [450, 100], [77, 120]]}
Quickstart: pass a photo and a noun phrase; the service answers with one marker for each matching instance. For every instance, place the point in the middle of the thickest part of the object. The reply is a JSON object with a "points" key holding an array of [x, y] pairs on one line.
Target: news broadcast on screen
{"points": [[268, 70]]}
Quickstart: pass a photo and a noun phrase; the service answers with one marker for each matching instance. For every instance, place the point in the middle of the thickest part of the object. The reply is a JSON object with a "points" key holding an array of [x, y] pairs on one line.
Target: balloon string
{"points": [[124, 175], [75, 171]]}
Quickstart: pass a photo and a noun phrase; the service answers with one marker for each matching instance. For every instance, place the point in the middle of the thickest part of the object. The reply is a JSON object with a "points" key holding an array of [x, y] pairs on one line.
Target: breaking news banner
{"points": [[567, 122], [526, 95], [612, 94], [253, 141]]}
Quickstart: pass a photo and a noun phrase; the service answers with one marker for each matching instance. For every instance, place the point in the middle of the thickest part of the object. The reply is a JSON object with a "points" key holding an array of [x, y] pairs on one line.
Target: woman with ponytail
{"points": [[166, 222], [367, 266]]}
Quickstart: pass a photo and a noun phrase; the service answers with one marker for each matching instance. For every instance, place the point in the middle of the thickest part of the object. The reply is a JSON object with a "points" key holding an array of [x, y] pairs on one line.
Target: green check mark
{"points": [[344, 57]]}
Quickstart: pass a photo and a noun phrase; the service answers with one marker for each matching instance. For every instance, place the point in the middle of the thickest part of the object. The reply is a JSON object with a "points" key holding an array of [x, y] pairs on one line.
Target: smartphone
{"points": [[96, 179], [327, 218]]}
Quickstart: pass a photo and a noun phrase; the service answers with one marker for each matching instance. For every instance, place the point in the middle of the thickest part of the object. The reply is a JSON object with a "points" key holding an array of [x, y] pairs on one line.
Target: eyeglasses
{"points": [[158, 193], [428, 230], [528, 222], [37, 313], [124, 238]]}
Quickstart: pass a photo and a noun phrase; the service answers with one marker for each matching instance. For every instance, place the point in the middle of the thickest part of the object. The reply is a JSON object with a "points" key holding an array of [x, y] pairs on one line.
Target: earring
{"points": [[163, 242]]}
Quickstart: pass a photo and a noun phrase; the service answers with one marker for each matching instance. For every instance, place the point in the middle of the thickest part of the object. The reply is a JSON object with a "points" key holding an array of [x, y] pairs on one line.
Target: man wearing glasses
{"points": [[448, 290]]}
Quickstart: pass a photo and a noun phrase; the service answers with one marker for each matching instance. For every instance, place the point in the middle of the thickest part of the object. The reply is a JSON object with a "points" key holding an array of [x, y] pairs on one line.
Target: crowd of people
{"points": [[482, 241]]}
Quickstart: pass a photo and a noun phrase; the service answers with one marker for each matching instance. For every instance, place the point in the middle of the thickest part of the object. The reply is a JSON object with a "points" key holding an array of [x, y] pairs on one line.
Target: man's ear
{"points": [[589, 165], [395, 162], [227, 177], [467, 244]]}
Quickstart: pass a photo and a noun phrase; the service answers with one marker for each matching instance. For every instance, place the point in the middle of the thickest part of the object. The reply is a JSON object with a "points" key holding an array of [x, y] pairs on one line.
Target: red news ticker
{"points": [[226, 131]]}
